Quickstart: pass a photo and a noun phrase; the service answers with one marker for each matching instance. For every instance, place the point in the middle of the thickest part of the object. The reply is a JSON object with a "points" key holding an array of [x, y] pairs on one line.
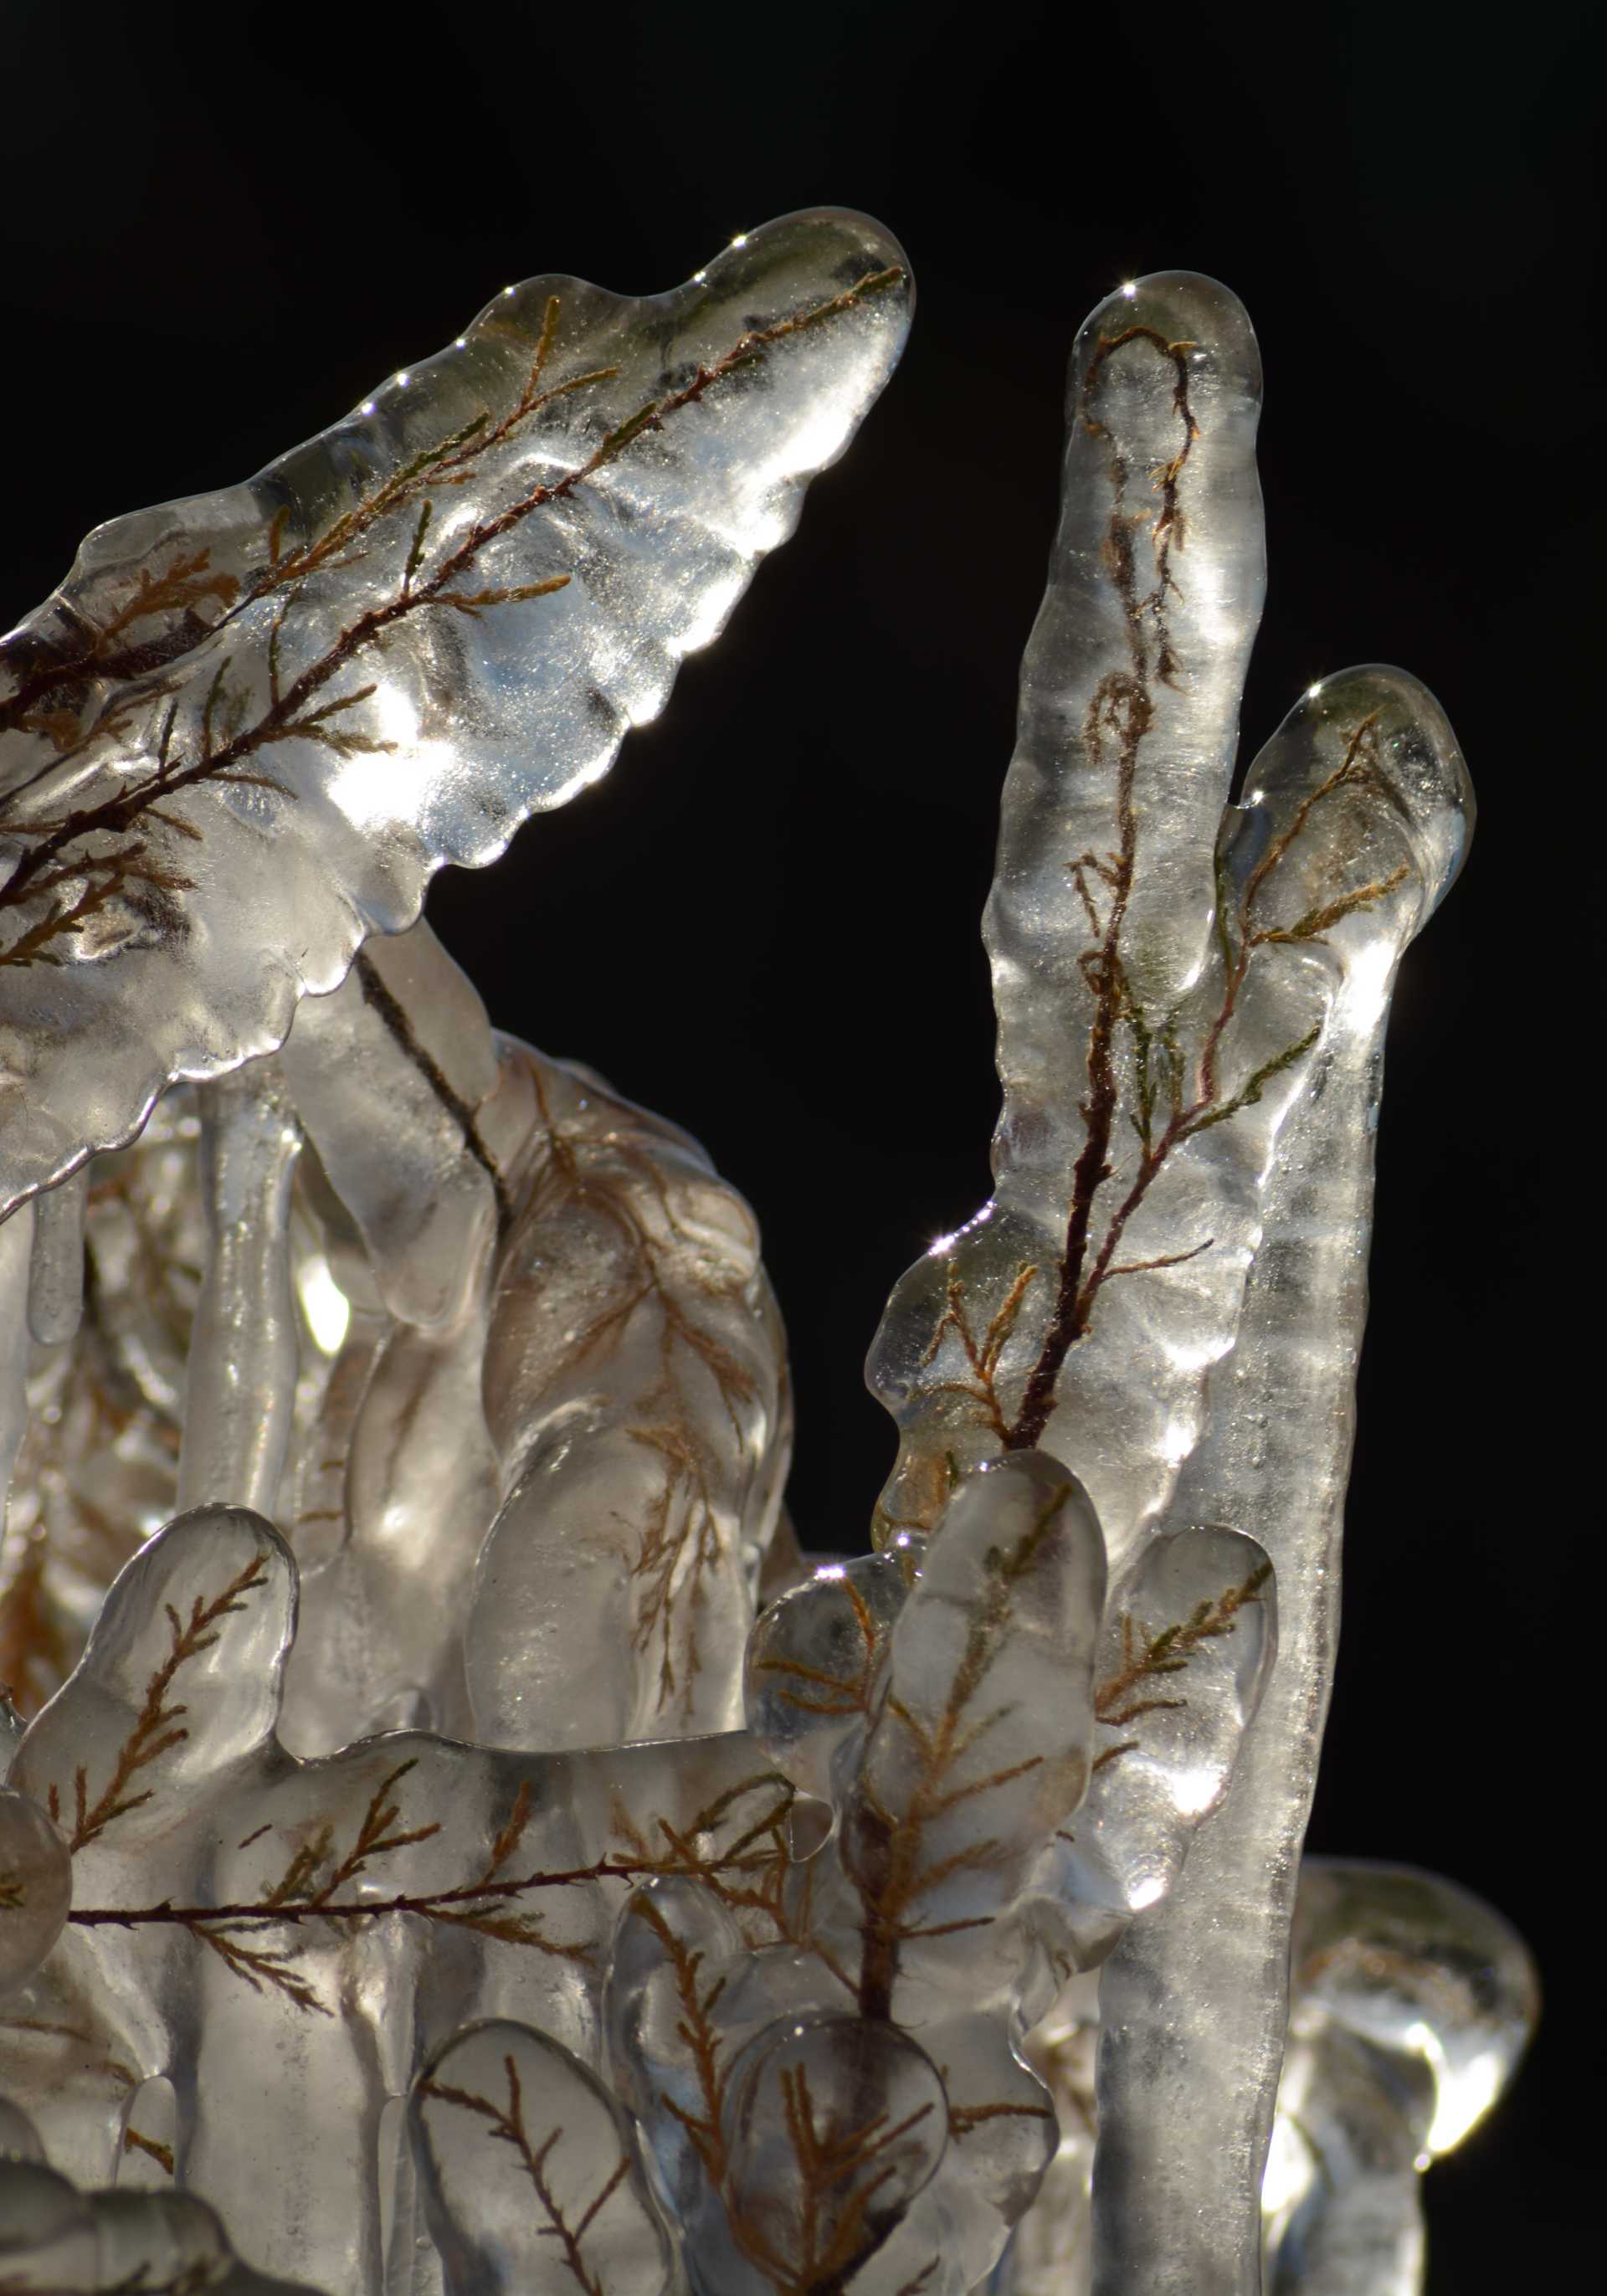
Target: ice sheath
{"points": [[1168, 1288], [1193, 2001]]}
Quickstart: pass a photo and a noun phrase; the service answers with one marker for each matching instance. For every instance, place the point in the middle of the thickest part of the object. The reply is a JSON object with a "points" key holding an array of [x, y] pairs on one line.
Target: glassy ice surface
{"points": [[448, 1836], [385, 652]]}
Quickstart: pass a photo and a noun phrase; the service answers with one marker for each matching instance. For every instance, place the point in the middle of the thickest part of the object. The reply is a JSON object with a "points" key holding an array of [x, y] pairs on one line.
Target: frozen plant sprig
{"points": [[798, 1957], [286, 667]]}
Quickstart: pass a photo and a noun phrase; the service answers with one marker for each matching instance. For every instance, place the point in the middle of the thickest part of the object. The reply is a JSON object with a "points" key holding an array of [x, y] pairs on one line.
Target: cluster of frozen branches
{"points": [[451, 1837]]}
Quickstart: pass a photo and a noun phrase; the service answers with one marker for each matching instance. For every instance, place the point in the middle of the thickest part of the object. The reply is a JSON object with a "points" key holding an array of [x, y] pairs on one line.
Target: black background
{"points": [[222, 226]]}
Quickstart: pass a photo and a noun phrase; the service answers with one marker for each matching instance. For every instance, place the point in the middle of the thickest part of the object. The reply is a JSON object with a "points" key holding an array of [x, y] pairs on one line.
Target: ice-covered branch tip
{"points": [[1164, 965], [220, 755], [238, 728]]}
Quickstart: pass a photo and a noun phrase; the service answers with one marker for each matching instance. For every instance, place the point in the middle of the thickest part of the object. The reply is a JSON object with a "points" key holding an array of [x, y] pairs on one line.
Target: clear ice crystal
{"points": [[459, 1843]]}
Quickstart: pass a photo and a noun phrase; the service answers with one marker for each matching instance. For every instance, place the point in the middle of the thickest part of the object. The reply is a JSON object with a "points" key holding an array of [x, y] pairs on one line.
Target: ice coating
{"points": [[1167, 1287], [60, 2242], [1189, 1640], [427, 1344], [404, 1884], [1274, 1461], [529, 2185], [340, 1918], [1099, 929], [1411, 2003], [97, 1469], [241, 1390], [248, 726], [55, 1282]]}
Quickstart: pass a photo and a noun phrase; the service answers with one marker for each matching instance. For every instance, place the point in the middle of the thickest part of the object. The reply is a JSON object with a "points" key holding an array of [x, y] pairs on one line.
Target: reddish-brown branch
{"points": [[436, 1905]]}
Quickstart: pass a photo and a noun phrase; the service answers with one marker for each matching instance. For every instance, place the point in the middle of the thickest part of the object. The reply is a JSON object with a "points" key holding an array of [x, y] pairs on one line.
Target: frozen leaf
{"points": [[1190, 1634], [288, 1938], [248, 726], [814, 1659], [832, 2126], [178, 1686], [675, 1951], [529, 2187], [635, 1389], [980, 1744]]}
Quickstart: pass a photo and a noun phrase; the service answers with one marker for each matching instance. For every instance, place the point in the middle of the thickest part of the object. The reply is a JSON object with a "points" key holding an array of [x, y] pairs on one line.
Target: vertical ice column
{"points": [[242, 1352], [1099, 930], [1193, 2002]]}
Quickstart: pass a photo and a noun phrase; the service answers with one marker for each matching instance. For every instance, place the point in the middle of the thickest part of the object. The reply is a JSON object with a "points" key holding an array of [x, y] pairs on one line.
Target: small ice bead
{"points": [[36, 1887]]}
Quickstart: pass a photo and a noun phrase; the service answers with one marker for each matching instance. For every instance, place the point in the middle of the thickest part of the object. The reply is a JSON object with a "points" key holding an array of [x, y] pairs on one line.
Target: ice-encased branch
{"points": [[1194, 2002], [250, 726], [1106, 978], [1191, 1003]]}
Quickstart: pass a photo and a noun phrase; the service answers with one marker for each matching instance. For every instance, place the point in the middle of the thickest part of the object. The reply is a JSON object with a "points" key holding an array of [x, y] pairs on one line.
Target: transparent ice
{"points": [[450, 1837]]}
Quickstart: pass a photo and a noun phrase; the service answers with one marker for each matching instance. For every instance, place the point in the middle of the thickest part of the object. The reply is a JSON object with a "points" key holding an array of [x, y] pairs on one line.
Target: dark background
{"points": [[221, 227]]}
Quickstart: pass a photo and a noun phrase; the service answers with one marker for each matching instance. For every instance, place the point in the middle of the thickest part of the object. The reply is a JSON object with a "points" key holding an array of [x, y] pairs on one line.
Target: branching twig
{"points": [[159, 1726], [1145, 1656], [892, 1868], [506, 2123]]}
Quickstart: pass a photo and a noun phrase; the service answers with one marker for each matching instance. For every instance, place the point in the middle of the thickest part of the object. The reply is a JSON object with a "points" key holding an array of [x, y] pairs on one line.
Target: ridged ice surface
{"points": [[449, 1834], [248, 726]]}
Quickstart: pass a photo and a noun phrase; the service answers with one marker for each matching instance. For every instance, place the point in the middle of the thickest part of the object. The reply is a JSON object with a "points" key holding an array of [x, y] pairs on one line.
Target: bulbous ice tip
{"points": [[854, 2072], [1177, 314], [1417, 753], [787, 260], [1419, 1968]]}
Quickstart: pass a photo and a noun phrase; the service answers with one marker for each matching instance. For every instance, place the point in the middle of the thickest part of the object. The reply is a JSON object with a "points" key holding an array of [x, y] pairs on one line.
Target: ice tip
{"points": [[1183, 313], [847, 241], [1418, 752]]}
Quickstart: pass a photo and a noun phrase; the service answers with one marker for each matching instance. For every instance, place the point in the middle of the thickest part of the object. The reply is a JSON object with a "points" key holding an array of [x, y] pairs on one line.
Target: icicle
{"points": [[56, 1283], [242, 1385]]}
